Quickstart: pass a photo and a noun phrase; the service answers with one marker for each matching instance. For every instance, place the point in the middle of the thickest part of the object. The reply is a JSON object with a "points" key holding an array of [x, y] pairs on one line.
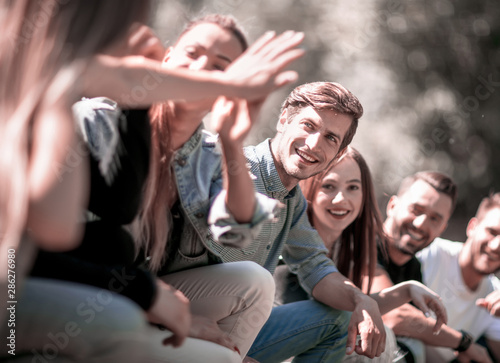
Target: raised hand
{"points": [[260, 69], [233, 119]]}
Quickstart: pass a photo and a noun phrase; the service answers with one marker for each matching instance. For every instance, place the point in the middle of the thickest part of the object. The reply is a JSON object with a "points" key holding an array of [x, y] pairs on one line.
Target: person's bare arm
{"points": [[409, 321], [57, 180], [424, 298], [233, 121], [494, 346], [406, 320], [135, 81]]}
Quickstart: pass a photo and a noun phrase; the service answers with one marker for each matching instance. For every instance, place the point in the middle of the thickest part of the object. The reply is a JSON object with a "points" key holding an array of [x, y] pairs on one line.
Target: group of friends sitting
{"points": [[136, 235]]}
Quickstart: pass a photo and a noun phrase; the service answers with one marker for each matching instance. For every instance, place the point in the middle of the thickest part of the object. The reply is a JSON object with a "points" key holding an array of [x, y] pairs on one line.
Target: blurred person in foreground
{"points": [[119, 143], [46, 47]]}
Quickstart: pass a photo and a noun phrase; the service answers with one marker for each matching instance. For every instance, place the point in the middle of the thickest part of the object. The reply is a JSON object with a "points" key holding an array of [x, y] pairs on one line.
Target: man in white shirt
{"points": [[463, 275]]}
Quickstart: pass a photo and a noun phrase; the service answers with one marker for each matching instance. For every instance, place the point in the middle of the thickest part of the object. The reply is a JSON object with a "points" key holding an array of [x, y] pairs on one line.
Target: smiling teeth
{"points": [[339, 213], [416, 237], [308, 158]]}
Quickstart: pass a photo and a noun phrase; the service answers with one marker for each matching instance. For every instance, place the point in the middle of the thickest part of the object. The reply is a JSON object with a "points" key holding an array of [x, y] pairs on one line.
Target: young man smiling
{"points": [[317, 122], [415, 217], [462, 273]]}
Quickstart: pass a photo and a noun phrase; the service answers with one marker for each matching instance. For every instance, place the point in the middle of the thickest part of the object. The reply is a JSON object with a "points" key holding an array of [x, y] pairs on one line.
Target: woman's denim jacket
{"points": [[198, 173]]}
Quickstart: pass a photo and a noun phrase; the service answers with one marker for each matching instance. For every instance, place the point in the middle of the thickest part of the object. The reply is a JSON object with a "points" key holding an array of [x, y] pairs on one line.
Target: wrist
{"points": [[229, 144], [362, 299], [465, 342]]}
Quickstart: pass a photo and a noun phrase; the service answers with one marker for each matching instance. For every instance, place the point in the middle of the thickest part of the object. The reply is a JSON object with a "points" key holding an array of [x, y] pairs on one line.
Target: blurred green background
{"points": [[427, 73]]}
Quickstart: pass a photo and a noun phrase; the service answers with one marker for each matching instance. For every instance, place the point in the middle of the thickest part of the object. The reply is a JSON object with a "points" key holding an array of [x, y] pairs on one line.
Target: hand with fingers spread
{"points": [[252, 76], [260, 69], [171, 310], [367, 323], [207, 329], [491, 303]]}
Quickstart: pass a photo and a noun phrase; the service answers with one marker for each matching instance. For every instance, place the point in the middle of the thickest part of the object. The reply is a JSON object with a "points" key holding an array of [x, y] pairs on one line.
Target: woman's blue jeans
{"points": [[307, 330]]}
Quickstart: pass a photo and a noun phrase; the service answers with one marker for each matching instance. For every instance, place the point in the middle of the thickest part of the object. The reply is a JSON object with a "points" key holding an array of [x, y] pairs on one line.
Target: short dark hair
{"points": [[326, 96], [439, 181], [489, 202]]}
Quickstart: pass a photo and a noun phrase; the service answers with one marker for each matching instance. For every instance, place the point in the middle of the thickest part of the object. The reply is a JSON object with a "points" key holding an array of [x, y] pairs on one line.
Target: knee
{"points": [[256, 285], [262, 283], [254, 278], [121, 318], [261, 277], [225, 355], [339, 318], [336, 320]]}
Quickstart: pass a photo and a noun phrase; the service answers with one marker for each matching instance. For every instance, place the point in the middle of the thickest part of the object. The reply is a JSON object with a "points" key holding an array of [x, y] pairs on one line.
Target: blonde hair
{"points": [[45, 46]]}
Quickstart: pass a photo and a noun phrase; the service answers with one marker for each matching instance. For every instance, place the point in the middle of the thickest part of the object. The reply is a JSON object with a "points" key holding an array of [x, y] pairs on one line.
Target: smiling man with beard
{"points": [[463, 274], [415, 217]]}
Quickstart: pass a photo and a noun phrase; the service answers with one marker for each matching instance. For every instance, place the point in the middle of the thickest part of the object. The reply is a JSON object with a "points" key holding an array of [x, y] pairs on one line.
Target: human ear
{"points": [[282, 121], [471, 226], [391, 205]]}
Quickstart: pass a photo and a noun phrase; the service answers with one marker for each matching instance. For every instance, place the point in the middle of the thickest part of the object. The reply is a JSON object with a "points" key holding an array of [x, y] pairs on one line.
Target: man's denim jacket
{"points": [[198, 173]]}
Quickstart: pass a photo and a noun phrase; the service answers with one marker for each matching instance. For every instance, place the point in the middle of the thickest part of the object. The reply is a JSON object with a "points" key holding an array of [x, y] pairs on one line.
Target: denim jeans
{"points": [[307, 330]]}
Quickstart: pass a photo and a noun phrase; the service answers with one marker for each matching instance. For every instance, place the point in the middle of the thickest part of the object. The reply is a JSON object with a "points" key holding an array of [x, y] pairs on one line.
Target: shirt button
{"points": [[181, 162], [268, 247]]}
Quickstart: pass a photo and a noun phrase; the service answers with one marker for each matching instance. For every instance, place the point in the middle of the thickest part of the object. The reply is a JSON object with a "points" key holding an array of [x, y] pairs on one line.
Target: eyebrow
{"points": [[327, 179], [220, 56], [223, 57]]}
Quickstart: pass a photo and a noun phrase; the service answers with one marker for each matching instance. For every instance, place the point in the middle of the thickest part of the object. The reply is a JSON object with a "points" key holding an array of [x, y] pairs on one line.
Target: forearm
{"points": [[240, 197], [411, 322], [393, 297], [494, 346], [346, 297], [138, 82]]}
